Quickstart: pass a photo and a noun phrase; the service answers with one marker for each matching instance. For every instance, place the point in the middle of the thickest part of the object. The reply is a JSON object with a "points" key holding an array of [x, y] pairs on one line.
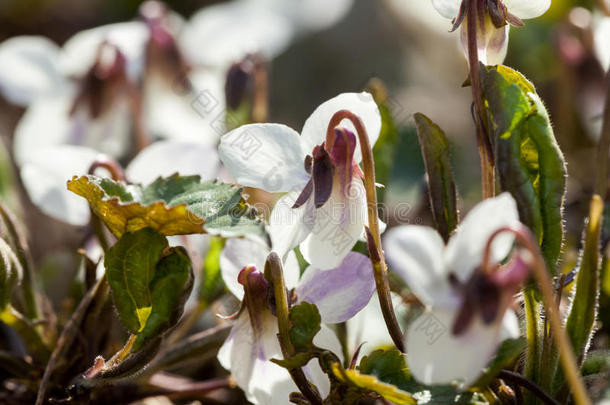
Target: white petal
{"points": [[492, 42], [239, 253], [47, 122], [79, 52], [165, 158], [361, 104], [415, 253], [339, 293], [45, 175], [266, 156], [525, 9], [237, 29], [309, 15], [326, 339], [337, 227], [169, 114], [602, 40], [465, 249], [447, 8], [436, 356], [288, 226], [28, 68], [510, 326]]}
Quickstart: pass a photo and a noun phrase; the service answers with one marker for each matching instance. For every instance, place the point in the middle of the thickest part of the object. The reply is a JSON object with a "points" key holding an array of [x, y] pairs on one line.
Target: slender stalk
{"points": [[568, 360], [531, 386], [484, 145], [380, 268], [274, 271], [603, 147]]}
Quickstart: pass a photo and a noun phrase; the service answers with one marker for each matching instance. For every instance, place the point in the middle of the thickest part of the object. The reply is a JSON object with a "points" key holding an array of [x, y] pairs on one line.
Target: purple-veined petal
{"points": [[447, 8], [265, 156], [492, 42], [342, 155], [165, 158], [338, 225], [361, 104], [436, 356], [239, 253], [238, 28], [288, 226], [339, 293], [465, 249], [262, 381], [45, 175], [415, 253], [525, 9], [28, 68], [79, 52]]}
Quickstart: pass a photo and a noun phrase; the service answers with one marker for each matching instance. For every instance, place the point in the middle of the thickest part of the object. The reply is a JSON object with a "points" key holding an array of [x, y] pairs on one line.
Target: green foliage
{"points": [[529, 162], [211, 285], [510, 350], [296, 361], [305, 320], [149, 281], [388, 366], [175, 205], [441, 187], [10, 273]]}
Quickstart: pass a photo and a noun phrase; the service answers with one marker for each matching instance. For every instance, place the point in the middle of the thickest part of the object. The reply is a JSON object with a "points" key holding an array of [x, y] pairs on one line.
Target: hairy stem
{"points": [[531, 386], [484, 145], [377, 258], [568, 360], [274, 271]]}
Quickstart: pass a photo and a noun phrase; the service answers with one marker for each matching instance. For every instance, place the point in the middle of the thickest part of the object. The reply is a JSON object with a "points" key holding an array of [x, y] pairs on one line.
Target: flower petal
{"points": [[266, 156], [248, 359], [510, 326], [338, 225], [28, 68], [492, 42], [361, 104], [525, 9], [44, 177], [339, 293], [160, 159], [601, 31], [447, 8], [238, 28], [79, 52], [415, 253], [465, 249], [436, 356], [288, 226], [239, 253]]}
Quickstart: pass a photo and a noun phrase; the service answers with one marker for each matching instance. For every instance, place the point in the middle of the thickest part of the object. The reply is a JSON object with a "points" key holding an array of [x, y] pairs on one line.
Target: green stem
{"points": [[275, 273], [380, 269]]}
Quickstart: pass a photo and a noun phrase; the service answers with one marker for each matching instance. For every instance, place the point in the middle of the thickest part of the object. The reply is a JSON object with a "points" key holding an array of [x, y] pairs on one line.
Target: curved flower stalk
{"points": [[467, 310], [338, 293], [493, 20], [325, 209]]}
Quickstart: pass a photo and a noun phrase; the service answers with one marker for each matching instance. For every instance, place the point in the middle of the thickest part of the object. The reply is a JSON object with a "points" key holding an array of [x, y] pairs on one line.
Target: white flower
{"points": [[601, 32], [467, 313], [325, 208], [492, 35], [338, 294]]}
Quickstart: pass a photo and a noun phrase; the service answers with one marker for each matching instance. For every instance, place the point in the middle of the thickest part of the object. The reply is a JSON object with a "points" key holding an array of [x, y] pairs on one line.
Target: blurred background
{"points": [[406, 45]]}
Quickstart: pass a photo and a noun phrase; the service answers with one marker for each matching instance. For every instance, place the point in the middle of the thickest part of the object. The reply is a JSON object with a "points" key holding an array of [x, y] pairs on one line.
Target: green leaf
{"points": [[175, 205], [169, 288], [388, 366], [597, 361], [384, 150], [441, 187], [510, 350], [149, 282], [10, 273], [366, 382], [582, 313], [296, 361], [529, 162], [211, 285], [305, 320]]}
